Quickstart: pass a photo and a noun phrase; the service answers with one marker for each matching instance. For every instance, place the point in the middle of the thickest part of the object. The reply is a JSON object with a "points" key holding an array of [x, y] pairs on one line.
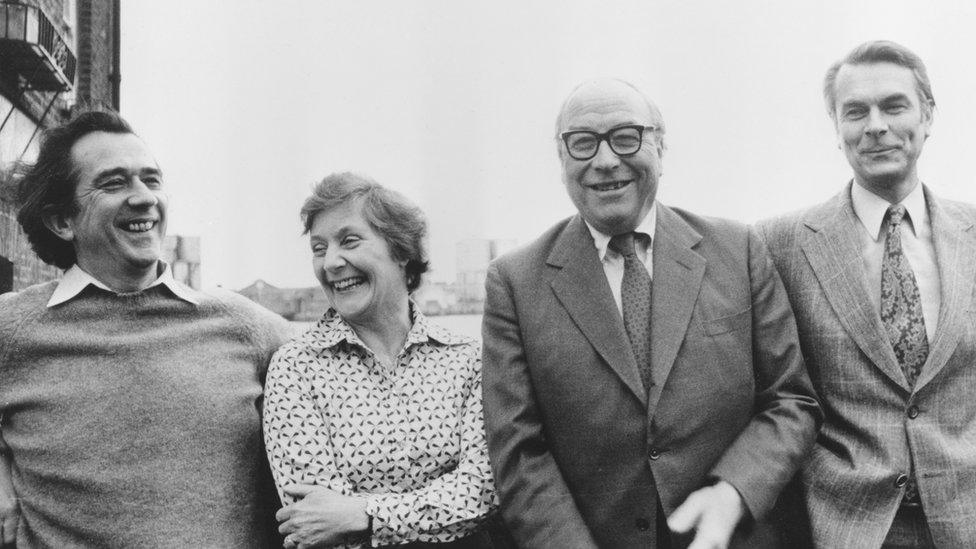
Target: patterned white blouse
{"points": [[410, 438]]}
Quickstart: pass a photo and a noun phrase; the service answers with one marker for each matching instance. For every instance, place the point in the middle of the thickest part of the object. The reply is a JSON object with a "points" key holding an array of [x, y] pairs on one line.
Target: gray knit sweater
{"points": [[133, 421]]}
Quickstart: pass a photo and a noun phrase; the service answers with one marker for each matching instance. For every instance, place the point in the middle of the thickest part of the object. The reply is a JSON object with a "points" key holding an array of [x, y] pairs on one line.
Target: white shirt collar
{"points": [[76, 279], [646, 226], [870, 209]]}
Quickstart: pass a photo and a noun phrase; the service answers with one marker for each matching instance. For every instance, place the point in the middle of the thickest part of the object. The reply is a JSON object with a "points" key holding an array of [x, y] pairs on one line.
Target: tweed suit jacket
{"points": [[580, 451], [875, 424]]}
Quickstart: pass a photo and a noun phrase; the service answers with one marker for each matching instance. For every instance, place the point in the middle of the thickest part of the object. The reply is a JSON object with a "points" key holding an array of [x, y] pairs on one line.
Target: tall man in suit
{"points": [[881, 279], [640, 361]]}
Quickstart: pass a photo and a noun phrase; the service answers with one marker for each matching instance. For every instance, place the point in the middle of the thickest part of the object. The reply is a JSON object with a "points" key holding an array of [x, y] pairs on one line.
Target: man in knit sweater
{"points": [[129, 402]]}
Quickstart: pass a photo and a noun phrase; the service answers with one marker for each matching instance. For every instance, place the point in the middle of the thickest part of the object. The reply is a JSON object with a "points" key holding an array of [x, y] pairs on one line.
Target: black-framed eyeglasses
{"points": [[623, 141]]}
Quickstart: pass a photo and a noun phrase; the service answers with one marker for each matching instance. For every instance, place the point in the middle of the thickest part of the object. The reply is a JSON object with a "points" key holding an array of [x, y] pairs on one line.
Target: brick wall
{"points": [[95, 53], [90, 34]]}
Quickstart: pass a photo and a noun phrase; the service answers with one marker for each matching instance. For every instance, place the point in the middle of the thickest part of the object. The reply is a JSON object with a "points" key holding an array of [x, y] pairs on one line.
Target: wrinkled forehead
{"points": [[96, 152], [603, 104], [875, 81]]}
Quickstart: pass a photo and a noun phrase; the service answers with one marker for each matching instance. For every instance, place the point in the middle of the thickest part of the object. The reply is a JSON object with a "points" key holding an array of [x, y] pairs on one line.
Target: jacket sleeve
{"points": [[537, 506], [787, 417]]}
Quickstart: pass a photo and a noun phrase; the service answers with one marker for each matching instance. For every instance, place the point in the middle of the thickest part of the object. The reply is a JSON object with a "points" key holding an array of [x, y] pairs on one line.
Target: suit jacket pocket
{"points": [[726, 324]]}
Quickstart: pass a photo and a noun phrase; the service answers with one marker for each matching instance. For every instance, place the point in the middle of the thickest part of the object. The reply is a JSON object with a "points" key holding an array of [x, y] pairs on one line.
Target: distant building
{"points": [[300, 304], [56, 56], [437, 298], [183, 255], [473, 256]]}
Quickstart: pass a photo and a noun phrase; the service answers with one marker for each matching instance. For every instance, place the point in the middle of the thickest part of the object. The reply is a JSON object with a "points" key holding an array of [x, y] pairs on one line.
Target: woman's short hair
{"points": [[48, 185], [388, 212]]}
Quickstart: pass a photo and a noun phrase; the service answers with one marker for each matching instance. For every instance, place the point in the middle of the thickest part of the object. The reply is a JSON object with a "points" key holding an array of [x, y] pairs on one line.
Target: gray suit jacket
{"points": [[581, 452], [872, 432]]}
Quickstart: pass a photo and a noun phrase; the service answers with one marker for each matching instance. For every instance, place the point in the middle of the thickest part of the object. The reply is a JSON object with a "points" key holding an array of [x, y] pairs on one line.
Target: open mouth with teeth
{"points": [[610, 186], [138, 226], [347, 284]]}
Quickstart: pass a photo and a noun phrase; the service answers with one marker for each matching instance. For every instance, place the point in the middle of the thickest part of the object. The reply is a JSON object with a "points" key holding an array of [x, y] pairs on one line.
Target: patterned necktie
{"points": [[635, 298], [901, 305]]}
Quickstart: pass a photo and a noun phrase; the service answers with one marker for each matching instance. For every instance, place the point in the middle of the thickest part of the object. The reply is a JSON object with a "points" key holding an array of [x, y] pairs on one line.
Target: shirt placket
{"points": [[396, 435]]}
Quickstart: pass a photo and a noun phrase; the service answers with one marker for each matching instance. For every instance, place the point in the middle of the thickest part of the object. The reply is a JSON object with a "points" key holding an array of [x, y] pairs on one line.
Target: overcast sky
{"points": [[246, 104]]}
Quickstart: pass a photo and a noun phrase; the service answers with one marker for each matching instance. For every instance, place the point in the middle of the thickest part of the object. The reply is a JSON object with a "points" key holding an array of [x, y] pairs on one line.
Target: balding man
{"points": [[640, 361]]}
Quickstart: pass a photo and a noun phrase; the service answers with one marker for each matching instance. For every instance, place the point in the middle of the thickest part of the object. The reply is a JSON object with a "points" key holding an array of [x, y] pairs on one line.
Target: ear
{"points": [[59, 225], [835, 124], [928, 118]]}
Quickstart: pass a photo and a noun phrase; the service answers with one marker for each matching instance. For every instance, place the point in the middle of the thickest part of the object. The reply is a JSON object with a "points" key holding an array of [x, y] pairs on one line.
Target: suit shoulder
{"points": [[534, 252], [706, 224], [780, 232], [958, 209], [717, 233]]}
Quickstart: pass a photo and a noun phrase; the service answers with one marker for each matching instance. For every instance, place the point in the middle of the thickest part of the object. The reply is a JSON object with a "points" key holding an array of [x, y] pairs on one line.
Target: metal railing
{"points": [[28, 24]]}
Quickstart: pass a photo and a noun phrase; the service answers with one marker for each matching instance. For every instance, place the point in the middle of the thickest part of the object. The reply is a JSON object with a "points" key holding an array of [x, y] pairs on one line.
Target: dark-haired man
{"points": [[640, 361], [881, 278], [129, 401]]}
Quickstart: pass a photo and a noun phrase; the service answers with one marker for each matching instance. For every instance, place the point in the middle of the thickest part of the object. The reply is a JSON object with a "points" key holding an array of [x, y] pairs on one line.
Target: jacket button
{"points": [[912, 412], [654, 453], [901, 481], [642, 524]]}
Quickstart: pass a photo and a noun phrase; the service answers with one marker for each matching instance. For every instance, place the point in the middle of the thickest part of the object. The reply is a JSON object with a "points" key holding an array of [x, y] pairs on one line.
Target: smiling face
{"points": [[355, 266], [881, 125], [612, 193], [120, 222]]}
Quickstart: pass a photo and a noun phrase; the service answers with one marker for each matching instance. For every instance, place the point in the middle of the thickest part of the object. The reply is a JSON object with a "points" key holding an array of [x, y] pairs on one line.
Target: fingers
{"points": [[686, 516], [713, 512], [712, 532], [299, 490], [288, 527], [290, 542], [284, 513]]}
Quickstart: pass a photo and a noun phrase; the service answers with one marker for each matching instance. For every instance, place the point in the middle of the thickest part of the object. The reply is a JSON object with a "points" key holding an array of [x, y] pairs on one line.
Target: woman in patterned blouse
{"points": [[372, 417]]}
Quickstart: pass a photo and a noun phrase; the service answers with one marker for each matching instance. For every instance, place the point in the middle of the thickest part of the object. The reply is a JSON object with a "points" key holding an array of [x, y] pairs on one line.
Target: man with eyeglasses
{"points": [[640, 361]]}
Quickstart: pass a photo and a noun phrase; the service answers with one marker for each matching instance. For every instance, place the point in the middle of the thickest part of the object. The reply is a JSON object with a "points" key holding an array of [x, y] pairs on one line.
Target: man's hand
{"points": [[321, 517], [713, 512]]}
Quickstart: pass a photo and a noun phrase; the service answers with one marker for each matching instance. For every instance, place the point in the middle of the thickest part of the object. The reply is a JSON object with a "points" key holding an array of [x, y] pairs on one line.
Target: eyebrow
{"points": [[122, 171], [615, 126], [885, 99], [343, 231]]}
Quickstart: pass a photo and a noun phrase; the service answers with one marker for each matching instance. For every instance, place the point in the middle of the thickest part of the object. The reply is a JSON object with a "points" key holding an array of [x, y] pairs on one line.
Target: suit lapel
{"points": [[956, 257], [678, 272], [581, 286], [834, 254]]}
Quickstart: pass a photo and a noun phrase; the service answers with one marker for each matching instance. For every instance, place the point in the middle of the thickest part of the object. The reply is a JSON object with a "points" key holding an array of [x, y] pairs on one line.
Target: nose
{"points": [[334, 259], [605, 158], [876, 123], [141, 196]]}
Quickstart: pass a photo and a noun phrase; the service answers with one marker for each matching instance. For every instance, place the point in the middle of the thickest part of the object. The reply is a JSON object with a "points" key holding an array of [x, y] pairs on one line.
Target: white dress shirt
{"points": [[917, 245], [76, 279], [613, 262]]}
